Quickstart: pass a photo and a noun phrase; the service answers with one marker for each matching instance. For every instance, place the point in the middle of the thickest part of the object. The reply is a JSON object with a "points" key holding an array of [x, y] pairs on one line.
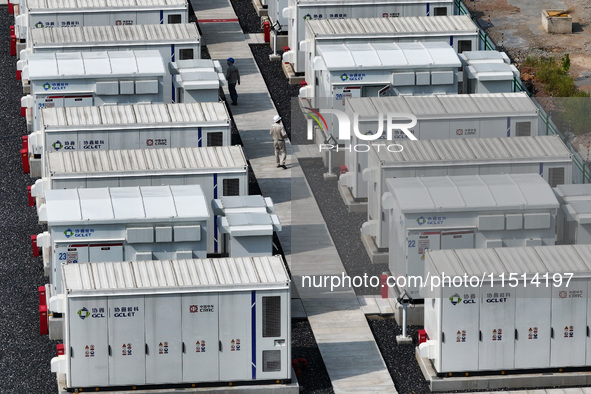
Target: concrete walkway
{"points": [[344, 338]]}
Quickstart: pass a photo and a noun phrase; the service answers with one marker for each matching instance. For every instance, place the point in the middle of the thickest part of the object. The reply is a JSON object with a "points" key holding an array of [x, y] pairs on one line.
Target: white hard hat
{"points": [[276, 118]]}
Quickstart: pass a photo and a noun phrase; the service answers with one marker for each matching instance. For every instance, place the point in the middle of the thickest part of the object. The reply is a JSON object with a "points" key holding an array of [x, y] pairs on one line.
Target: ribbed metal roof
{"points": [[125, 204], [519, 260], [132, 161], [149, 114], [481, 105], [103, 5], [111, 35], [421, 152], [472, 193], [176, 276], [411, 25]]}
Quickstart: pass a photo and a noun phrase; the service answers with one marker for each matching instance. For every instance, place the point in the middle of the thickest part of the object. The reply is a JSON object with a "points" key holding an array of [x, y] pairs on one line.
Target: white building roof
{"points": [[388, 55], [136, 115], [411, 25], [111, 35], [124, 205], [133, 162], [481, 105], [79, 65], [471, 193], [429, 152], [529, 260], [175, 276], [104, 5]]}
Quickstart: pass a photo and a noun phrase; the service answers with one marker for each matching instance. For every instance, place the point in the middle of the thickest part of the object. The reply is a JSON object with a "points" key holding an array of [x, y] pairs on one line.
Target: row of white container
{"points": [[177, 41], [458, 30], [150, 223], [129, 324], [533, 315], [297, 12], [464, 212], [67, 79], [145, 126], [547, 156], [50, 14], [219, 171]]}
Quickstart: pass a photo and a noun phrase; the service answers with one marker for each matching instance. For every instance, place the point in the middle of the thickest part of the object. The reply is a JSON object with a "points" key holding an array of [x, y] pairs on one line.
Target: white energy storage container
{"points": [[47, 14], [464, 212], [457, 30], [438, 117], [299, 11], [574, 216], [144, 126], [489, 78], [181, 322], [348, 70], [547, 156], [176, 41], [76, 79], [534, 314], [220, 171], [122, 223]]}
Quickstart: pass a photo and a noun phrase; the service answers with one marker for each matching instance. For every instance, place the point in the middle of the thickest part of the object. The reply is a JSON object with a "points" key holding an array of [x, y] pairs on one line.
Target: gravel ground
{"points": [[314, 378], [248, 18], [343, 226], [24, 354]]}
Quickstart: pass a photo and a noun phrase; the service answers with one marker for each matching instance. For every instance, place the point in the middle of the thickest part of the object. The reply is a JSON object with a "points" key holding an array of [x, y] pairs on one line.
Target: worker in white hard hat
{"points": [[279, 135]]}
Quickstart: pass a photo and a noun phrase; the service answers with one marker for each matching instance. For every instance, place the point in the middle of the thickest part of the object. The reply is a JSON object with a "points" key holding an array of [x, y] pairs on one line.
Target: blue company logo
{"points": [[57, 145], [83, 313], [68, 233], [344, 77], [421, 220], [455, 299], [46, 86]]}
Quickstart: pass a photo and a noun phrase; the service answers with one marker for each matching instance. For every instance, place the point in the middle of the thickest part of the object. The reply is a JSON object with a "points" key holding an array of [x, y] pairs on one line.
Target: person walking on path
{"points": [[279, 135], [233, 78]]}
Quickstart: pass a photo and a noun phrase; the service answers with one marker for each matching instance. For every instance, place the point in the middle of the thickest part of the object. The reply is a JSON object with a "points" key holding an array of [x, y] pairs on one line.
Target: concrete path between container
{"points": [[344, 338]]}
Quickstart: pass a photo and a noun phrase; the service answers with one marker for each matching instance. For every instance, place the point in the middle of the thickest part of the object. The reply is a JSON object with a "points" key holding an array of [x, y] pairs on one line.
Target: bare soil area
{"points": [[516, 27]]}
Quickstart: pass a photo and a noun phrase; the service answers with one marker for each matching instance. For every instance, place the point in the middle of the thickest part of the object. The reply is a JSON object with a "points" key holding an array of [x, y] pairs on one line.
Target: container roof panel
{"points": [[336, 56], [175, 275], [96, 63], [149, 62], [69, 63], [472, 192], [486, 71], [62, 204], [123, 62], [518, 260], [95, 204], [190, 201], [158, 201], [128, 202]]}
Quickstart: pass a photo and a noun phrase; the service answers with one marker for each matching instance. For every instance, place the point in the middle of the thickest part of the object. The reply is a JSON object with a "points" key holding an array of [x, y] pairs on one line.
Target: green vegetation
{"points": [[553, 73]]}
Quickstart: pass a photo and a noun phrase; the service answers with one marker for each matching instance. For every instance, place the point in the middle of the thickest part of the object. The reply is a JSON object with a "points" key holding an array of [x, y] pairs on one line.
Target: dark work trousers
{"points": [[233, 94]]}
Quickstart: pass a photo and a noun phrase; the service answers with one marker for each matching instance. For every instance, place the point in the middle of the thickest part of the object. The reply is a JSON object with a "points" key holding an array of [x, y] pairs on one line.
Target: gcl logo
{"points": [[344, 123]]}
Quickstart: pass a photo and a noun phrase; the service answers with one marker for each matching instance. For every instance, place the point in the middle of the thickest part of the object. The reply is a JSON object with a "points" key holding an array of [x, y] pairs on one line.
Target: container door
{"points": [[457, 240], [532, 315], [418, 243], [237, 358], [459, 333], [163, 339], [127, 347], [272, 333], [88, 346], [569, 325], [200, 337], [497, 329], [98, 253]]}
